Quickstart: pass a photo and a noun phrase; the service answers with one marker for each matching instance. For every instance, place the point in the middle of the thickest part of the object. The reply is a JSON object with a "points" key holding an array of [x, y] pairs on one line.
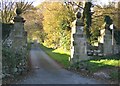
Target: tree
{"points": [[86, 14], [9, 7], [34, 25], [87, 17], [57, 24]]}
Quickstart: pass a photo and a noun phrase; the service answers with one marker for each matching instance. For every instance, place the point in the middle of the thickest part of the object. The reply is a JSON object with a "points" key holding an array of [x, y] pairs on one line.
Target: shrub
{"points": [[13, 61]]}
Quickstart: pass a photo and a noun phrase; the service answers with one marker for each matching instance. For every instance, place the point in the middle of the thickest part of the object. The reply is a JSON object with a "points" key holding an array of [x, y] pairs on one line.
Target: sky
{"points": [[100, 2], [37, 2]]}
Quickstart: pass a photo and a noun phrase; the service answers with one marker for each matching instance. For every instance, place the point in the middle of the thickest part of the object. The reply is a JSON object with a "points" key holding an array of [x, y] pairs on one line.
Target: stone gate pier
{"points": [[78, 41], [109, 38], [106, 40], [17, 43], [18, 36]]}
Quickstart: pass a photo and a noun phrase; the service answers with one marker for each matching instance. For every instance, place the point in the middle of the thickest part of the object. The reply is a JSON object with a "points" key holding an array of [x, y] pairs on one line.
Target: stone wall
{"points": [[6, 29]]}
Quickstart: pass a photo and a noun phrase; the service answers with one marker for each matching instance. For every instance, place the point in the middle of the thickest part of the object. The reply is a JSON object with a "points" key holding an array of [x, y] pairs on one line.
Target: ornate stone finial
{"points": [[108, 20], [79, 21], [18, 11], [78, 15], [18, 18]]}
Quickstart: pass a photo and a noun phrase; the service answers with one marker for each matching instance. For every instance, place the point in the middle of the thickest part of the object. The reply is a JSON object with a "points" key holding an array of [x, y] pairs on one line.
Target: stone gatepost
{"points": [[78, 41], [108, 48], [17, 41], [107, 43], [19, 34]]}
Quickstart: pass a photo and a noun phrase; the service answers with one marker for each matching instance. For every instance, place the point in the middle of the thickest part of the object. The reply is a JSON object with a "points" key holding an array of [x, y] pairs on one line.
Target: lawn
{"points": [[59, 55], [94, 65], [109, 65], [114, 63]]}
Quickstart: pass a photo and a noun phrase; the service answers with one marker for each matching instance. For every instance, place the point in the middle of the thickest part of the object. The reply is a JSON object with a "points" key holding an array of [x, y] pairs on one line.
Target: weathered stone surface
{"points": [[78, 43], [3, 76], [106, 44], [18, 19], [102, 75]]}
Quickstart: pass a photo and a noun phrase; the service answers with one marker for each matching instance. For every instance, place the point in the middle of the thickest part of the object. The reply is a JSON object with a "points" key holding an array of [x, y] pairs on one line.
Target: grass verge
{"points": [[107, 64], [59, 55]]}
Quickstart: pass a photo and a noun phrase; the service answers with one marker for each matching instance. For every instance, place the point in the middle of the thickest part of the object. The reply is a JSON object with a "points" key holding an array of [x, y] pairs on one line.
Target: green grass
{"points": [[95, 65], [104, 63], [115, 75], [107, 62], [59, 55], [61, 51]]}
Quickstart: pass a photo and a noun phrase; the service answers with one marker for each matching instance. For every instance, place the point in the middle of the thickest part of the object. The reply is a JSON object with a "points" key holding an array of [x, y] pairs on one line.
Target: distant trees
{"points": [[87, 16], [57, 24], [59, 16], [9, 7], [33, 24]]}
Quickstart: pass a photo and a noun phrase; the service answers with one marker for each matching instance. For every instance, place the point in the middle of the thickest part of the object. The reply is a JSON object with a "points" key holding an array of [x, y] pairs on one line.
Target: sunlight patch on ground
{"points": [[61, 51], [108, 62]]}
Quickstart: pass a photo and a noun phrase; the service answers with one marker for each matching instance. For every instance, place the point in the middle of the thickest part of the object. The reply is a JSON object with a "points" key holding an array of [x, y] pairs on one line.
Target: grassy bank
{"points": [[94, 65], [107, 64], [59, 55]]}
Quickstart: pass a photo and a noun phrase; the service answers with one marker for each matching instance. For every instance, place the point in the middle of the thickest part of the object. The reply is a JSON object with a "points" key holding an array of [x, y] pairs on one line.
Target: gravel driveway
{"points": [[47, 71]]}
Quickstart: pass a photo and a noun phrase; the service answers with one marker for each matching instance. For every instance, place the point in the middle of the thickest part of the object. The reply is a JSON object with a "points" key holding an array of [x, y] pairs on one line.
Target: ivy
{"points": [[13, 60]]}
